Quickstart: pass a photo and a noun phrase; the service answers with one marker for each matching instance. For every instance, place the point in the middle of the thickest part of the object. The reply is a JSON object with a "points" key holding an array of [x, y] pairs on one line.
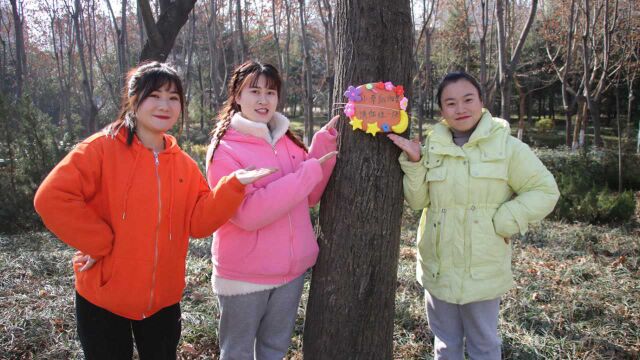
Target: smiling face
{"points": [[158, 112], [257, 101], [460, 105]]}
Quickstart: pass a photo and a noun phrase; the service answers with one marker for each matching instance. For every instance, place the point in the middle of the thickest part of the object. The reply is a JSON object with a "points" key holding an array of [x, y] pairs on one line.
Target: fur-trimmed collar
{"points": [[277, 127]]}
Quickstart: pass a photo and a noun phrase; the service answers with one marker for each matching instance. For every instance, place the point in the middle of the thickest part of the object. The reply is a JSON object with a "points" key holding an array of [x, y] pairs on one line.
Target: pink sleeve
{"points": [[264, 205], [324, 141]]}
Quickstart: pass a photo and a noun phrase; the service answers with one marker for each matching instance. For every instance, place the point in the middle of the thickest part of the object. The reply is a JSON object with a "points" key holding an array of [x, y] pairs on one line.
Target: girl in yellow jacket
{"points": [[478, 186], [128, 198]]}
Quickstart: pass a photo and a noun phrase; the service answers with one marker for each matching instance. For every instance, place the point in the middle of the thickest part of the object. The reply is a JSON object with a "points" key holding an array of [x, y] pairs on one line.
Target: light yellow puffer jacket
{"points": [[473, 198]]}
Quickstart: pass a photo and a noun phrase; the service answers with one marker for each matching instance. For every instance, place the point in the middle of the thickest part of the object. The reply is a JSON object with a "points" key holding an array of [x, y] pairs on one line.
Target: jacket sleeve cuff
{"points": [[411, 167], [507, 223]]}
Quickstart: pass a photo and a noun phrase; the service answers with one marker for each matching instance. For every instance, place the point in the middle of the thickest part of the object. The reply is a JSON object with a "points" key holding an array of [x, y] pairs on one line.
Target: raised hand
{"points": [[410, 147], [327, 156], [249, 175], [332, 123]]}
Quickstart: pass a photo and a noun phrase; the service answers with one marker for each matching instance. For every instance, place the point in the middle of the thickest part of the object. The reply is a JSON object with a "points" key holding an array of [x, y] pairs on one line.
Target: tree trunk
{"points": [[215, 48], [287, 44], [528, 105], [242, 45], [521, 107], [617, 90], [162, 34], [351, 303], [91, 110], [507, 67], [18, 21], [202, 95], [187, 76], [483, 50], [327, 22], [306, 83], [276, 36], [121, 38]]}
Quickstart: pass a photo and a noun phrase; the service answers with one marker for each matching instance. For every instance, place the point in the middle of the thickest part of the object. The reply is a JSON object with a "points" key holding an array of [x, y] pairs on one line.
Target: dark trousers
{"points": [[105, 335]]}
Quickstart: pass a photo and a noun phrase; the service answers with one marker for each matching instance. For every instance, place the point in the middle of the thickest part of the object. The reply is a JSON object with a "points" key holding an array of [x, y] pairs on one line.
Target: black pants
{"points": [[105, 335]]}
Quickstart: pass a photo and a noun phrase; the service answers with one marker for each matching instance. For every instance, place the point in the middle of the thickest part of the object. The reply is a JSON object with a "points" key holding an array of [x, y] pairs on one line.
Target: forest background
{"points": [[565, 74]]}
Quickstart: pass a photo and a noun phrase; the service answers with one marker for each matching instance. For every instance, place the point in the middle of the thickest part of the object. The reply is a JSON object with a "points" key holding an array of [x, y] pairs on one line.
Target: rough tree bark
{"points": [[328, 22], [18, 24], [595, 87], [90, 111], [162, 34], [351, 304], [242, 45]]}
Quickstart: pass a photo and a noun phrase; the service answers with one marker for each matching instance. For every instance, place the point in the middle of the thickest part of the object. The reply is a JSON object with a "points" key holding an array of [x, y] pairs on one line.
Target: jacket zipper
{"points": [[275, 153], [155, 249]]}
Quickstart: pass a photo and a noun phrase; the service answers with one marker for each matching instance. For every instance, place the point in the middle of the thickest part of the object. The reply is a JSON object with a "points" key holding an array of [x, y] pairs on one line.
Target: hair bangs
{"points": [[272, 78]]}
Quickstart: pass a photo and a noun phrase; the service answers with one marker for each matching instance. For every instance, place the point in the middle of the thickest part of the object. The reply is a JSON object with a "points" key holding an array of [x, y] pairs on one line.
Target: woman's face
{"points": [[159, 111], [461, 106], [257, 102]]}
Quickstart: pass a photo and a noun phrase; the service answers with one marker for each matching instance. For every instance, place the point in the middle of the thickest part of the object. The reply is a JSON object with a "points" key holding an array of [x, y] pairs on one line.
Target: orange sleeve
{"points": [[216, 206], [61, 201]]}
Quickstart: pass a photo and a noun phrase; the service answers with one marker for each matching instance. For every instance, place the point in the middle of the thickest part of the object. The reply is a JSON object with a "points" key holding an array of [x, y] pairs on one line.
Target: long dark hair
{"points": [[453, 77], [141, 81], [245, 74]]}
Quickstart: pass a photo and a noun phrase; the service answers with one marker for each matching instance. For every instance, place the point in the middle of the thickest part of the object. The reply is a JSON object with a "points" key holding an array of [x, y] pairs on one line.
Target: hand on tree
{"points": [[332, 123], [410, 147], [327, 156]]}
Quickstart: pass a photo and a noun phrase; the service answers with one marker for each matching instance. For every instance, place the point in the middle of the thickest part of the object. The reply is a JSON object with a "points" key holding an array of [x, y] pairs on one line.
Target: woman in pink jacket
{"points": [[260, 255]]}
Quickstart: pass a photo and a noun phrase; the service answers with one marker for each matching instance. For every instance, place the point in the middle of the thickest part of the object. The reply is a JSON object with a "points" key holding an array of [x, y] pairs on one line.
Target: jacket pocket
{"points": [[489, 170], [128, 291], [489, 252]]}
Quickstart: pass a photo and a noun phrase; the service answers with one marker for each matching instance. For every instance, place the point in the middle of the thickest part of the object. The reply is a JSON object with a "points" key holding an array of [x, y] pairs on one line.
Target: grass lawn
{"points": [[576, 297]]}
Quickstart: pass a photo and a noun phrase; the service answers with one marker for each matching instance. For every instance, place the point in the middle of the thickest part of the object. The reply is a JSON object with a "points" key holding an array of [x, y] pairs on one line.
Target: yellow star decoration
{"points": [[356, 123], [372, 129]]}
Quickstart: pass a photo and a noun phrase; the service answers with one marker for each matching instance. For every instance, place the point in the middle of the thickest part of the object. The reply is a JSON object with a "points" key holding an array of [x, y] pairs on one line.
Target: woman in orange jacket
{"points": [[128, 198]]}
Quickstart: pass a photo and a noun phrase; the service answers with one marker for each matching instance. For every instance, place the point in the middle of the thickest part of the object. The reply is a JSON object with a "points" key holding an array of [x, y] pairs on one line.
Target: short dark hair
{"points": [[453, 77]]}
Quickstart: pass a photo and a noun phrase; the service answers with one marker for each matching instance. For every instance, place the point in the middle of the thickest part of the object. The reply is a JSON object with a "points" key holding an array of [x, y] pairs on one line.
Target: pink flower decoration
{"points": [[350, 110], [389, 86], [403, 103]]}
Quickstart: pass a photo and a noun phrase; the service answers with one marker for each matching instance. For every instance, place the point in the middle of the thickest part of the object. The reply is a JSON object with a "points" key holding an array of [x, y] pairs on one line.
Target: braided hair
{"points": [[141, 81], [245, 74]]}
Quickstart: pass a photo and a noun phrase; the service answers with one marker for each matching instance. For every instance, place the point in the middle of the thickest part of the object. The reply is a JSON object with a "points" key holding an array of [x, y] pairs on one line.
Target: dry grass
{"points": [[576, 298]]}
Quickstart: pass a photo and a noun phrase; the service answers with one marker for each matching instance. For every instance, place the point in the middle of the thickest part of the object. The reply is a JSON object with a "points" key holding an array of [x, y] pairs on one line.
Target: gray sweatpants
{"points": [[452, 324], [259, 325]]}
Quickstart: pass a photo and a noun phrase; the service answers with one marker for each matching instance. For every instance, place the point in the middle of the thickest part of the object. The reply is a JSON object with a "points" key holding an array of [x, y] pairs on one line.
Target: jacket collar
{"points": [[271, 132], [489, 136], [171, 144]]}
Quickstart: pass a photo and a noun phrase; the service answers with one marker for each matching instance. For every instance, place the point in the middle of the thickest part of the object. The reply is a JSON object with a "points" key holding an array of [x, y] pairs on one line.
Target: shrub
{"points": [[29, 150], [584, 183], [544, 125]]}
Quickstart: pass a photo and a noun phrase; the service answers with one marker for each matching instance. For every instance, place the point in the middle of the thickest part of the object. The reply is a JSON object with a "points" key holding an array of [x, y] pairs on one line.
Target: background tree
{"points": [[354, 280], [306, 70], [509, 60], [162, 33]]}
